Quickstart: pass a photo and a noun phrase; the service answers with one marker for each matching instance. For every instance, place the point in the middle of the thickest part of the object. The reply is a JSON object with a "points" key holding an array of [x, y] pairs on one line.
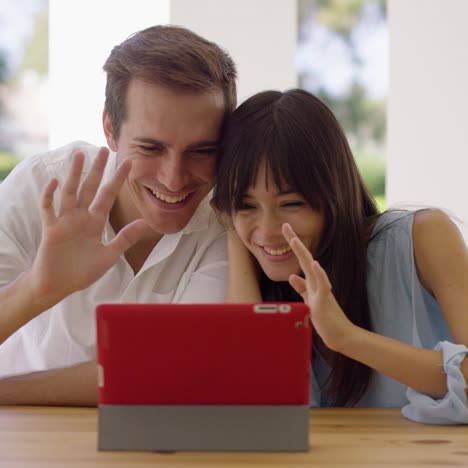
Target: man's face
{"points": [[172, 139]]}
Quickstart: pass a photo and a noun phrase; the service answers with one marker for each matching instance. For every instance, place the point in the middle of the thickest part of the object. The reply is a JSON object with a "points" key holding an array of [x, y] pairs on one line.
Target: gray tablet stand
{"points": [[204, 427]]}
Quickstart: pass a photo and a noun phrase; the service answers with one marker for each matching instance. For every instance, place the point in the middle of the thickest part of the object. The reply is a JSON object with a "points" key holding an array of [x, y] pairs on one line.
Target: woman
{"points": [[383, 289]]}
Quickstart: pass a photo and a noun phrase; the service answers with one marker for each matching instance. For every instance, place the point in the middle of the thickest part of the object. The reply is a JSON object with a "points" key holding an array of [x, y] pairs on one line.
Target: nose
{"points": [[173, 173], [269, 228]]}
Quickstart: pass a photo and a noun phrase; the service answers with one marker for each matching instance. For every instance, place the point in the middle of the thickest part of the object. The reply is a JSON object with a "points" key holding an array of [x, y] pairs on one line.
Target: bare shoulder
{"points": [[439, 247], [435, 229], [432, 217]]}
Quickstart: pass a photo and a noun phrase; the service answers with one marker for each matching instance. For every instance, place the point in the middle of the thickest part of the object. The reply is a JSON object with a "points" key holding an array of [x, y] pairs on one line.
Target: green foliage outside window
{"points": [[333, 52], [7, 163]]}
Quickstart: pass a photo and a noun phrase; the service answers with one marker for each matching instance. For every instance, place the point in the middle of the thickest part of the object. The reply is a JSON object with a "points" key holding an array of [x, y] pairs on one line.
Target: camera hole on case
{"points": [[299, 325], [284, 308]]}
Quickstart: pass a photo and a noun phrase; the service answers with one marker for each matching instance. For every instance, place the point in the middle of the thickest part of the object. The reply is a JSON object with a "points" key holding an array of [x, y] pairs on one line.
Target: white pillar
{"points": [[260, 35], [427, 153], [81, 36]]}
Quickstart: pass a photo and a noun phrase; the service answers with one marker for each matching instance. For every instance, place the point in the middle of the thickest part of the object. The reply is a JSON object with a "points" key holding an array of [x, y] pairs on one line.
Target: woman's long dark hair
{"points": [[303, 146]]}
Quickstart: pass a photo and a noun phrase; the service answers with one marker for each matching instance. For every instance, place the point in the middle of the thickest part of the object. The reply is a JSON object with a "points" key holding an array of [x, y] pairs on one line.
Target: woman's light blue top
{"points": [[399, 305]]}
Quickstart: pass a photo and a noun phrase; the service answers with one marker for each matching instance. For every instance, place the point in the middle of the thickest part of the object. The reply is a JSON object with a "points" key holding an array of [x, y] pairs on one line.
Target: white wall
{"points": [[427, 149], [81, 36], [260, 35]]}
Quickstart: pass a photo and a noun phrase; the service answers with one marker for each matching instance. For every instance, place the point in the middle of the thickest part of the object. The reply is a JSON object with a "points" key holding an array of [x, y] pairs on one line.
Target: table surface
{"points": [[67, 437]]}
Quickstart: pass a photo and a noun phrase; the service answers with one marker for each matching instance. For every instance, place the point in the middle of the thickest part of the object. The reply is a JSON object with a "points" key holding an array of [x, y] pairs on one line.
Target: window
{"points": [[342, 57], [23, 80]]}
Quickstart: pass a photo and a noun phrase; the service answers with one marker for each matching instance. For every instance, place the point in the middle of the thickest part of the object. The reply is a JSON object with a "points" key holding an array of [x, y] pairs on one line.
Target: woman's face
{"points": [[258, 224]]}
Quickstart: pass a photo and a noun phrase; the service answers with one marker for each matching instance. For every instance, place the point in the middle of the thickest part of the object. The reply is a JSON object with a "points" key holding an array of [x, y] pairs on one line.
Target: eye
{"points": [[245, 207], [208, 151], [292, 204], [150, 149]]}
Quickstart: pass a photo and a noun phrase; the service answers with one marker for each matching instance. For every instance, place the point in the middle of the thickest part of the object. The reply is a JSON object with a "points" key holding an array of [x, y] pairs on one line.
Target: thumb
{"points": [[128, 236]]}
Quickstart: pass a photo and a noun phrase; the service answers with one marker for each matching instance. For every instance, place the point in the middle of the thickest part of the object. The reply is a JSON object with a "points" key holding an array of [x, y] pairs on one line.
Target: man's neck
{"points": [[136, 255]]}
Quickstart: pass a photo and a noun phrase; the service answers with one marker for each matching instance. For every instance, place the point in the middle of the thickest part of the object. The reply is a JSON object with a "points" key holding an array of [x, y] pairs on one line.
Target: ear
{"points": [[108, 131]]}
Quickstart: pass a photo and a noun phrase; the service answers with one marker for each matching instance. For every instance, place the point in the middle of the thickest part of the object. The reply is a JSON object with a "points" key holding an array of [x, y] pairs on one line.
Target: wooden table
{"points": [[66, 437]]}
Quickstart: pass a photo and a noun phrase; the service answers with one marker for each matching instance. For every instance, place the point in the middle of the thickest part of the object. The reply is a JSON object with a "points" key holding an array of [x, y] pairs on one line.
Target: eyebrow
{"points": [[149, 141], [280, 193], [154, 142]]}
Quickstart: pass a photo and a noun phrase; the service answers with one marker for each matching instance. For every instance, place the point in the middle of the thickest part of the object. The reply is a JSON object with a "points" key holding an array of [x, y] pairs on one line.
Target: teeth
{"points": [[167, 198], [277, 251]]}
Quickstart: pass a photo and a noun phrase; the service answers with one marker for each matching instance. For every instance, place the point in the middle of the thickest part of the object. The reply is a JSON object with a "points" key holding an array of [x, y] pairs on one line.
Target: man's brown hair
{"points": [[169, 56]]}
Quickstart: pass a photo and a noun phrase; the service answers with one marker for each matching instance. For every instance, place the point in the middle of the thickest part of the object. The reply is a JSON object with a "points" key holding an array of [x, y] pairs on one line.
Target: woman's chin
{"points": [[277, 276]]}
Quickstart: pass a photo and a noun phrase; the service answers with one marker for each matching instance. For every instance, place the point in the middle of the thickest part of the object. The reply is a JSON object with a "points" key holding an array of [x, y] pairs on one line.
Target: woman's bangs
{"points": [[292, 167], [245, 164], [278, 167]]}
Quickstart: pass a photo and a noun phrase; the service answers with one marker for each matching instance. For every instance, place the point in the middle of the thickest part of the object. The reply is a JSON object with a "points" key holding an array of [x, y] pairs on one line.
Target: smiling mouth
{"points": [[277, 252], [170, 200]]}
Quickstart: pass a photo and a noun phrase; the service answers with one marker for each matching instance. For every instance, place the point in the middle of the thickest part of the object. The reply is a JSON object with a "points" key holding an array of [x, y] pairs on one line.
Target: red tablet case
{"points": [[195, 354]]}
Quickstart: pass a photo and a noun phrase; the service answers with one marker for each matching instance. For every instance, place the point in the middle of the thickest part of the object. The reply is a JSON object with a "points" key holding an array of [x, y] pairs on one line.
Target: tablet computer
{"points": [[204, 376]]}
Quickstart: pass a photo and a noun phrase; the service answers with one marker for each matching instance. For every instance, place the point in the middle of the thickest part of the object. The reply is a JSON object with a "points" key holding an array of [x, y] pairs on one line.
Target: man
{"points": [[132, 226]]}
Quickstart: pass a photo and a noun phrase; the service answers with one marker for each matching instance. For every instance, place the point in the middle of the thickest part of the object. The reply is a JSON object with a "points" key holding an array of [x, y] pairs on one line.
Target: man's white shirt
{"points": [[189, 266]]}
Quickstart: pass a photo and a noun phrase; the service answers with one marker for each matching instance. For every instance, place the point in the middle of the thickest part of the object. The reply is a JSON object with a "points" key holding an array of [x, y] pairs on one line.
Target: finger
{"points": [[105, 199], [47, 202], [90, 185], [295, 242], [299, 285], [291, 236], [288, 232], [68, 194], [321, 277], [302, 253], [128, 236]]}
